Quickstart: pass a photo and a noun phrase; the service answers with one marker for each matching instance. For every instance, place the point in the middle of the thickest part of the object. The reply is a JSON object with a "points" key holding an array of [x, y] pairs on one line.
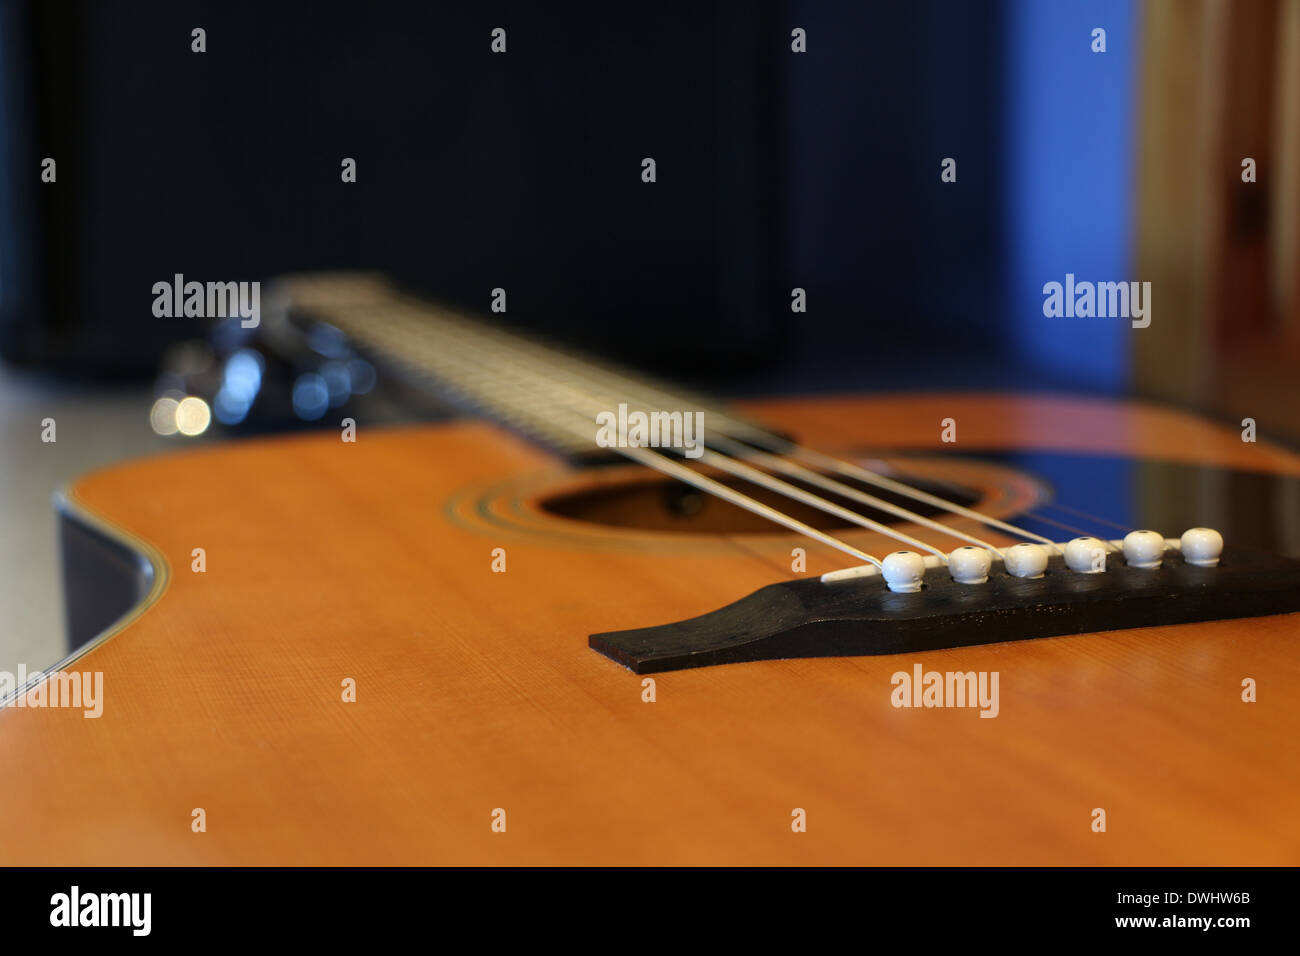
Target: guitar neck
{"points": [[548, 392]]}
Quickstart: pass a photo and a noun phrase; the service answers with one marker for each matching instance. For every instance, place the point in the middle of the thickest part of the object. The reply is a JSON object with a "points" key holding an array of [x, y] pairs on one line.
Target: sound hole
{"points": [[653, 504]]}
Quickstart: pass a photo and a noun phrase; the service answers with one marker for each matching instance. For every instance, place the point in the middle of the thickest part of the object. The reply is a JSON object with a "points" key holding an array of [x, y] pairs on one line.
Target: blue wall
{"points": [[1069, 190]]}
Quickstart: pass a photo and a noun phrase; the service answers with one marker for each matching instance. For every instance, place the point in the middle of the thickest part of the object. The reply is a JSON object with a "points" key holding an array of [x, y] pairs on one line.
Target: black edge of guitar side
{"points": [[806, 618]]}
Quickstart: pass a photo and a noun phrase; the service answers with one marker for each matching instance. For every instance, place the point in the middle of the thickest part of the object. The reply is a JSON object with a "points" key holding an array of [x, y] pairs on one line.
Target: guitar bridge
{"points": [[859, 616]]}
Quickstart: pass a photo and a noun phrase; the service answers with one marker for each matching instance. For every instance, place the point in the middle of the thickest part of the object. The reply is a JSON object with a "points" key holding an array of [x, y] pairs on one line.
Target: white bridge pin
{"points": [[903, 571], [969, 564], [1085, 555], [1025, 560], [1201, 547], [1144, 549]]}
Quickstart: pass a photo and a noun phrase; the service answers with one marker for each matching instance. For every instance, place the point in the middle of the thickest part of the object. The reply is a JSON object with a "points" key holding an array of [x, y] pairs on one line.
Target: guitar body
{"points": [[476, 691]]}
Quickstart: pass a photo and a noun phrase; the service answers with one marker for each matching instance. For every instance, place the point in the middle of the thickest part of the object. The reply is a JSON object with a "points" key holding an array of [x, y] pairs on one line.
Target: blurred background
{"points": [[775, 170]]}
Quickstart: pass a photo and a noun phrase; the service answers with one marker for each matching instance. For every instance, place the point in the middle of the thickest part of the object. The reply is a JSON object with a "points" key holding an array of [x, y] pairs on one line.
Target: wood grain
{"points": [[477, 691], [1220, 82]]}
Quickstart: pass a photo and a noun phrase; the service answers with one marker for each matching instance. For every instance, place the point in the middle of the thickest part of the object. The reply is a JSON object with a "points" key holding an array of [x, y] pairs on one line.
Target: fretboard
{"points": [[548, 392]]}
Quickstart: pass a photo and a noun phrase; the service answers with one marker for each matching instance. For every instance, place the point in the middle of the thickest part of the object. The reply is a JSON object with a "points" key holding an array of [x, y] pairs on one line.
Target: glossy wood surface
{"points": [[476, 690]]}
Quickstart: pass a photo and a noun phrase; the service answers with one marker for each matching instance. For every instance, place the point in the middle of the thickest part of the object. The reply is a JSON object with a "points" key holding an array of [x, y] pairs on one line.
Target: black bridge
{"points": [[806, 618]]}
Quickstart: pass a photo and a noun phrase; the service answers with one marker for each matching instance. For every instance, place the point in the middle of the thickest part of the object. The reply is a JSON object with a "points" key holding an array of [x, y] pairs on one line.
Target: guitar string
{"points": [[776, 463], [468, 333], [1106, 543], [758, 437], [470, 337], [745, 431], [581, 402], [748, 473], [666, 465], [1037, 514], [1088, 515], [523, 384], [488, 341], [849, 469]]}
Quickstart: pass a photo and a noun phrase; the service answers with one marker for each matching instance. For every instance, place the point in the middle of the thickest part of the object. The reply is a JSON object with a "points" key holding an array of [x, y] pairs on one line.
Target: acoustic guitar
{"points": [[867, 629]]}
